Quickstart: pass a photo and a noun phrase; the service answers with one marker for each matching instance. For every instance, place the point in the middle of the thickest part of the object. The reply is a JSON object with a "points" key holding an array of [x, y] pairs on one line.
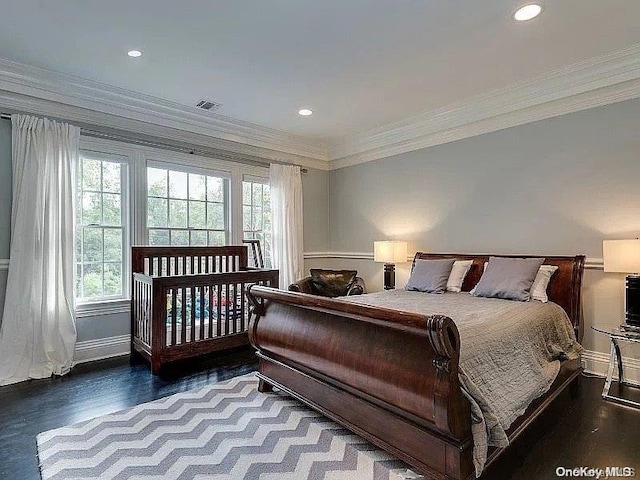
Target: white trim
{"points": [[598, 81], [91, 350], [603, 80], [597, 363], [4, 264], [97, 309], [591, 263], [40, 91]]}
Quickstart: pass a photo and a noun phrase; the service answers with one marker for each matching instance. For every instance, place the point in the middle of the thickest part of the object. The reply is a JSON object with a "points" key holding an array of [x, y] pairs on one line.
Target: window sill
{"points": [[108, 307]]}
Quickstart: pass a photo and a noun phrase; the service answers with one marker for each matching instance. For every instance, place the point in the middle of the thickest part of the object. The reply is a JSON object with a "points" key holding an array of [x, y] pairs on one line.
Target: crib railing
{"points": [[194, 313], [171, 261]]}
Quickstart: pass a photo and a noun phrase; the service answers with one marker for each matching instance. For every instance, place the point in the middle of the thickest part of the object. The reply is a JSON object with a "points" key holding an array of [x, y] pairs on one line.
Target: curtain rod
{"points": [[205, 152]]}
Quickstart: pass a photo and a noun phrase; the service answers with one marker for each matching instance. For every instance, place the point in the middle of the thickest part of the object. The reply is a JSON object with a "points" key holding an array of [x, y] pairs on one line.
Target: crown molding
{"points": [[41, 91], [599, 81]]}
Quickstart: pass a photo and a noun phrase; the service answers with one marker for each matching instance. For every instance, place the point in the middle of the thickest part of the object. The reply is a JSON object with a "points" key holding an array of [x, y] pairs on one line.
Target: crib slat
{"points": [[174, 313], [219, 325], [193, 311], [211, 312], [226, 318], [242, 302], [201, 313], [183, 325]]}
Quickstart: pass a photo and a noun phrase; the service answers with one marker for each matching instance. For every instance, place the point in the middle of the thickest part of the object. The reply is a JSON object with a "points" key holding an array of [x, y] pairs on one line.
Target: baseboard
{"points": [[91, 350], [597, 363]]}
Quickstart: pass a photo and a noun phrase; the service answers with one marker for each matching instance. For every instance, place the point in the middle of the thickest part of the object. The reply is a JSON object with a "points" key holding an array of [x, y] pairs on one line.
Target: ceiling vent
{"points": [[208, 105]]}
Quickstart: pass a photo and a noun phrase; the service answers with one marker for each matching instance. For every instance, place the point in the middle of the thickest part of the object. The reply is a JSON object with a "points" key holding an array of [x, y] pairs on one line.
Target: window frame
{"points": [[264, 180], [125, 219], [138, 157], [189, 169]]}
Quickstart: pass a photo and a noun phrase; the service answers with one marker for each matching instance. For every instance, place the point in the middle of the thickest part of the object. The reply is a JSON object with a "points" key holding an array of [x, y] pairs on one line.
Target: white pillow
{"points": [[458, 272], [540, 283]]}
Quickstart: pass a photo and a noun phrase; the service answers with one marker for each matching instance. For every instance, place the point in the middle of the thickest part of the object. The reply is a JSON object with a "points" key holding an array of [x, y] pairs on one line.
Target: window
{"points": [[101, 228], [256, 213], [186, 208]]}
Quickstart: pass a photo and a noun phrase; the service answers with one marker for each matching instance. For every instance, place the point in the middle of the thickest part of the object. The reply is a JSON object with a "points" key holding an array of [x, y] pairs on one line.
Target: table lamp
{"points": [[390, 252], [623, 256]]}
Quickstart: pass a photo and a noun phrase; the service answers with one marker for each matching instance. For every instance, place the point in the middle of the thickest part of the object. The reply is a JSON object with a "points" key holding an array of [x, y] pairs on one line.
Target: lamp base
{"points": [[389, 276], [633, 300]]}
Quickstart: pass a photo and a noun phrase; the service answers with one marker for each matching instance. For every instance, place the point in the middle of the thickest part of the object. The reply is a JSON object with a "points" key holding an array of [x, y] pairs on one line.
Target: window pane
{"points": [[156, 182], [91, 175], [92, 280], [157, 212], [198, 238], [112, 245], [180, 237], [79, 280], [91, 209], [111, 177], [92, 244], [177, 213], [215, 189], [112, 279], [159, 237], [111, 209], [257, 219], [257, 194], [215, 216], [246, 218], [246, 193], [177, 184], [197, 187], [217, 238], [197, 215]]}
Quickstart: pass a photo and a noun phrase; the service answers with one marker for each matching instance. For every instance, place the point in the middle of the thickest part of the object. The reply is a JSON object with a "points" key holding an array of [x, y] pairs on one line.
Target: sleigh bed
{"points": [[189, 301], [391, 375]]}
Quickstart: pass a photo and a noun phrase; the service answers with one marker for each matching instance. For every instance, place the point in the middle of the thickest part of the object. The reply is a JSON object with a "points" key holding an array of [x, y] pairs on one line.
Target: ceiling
{"points": [[359, 64]]}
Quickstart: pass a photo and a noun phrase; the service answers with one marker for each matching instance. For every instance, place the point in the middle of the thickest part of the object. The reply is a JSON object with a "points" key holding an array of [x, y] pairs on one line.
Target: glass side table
{"points": [[617, 335]]}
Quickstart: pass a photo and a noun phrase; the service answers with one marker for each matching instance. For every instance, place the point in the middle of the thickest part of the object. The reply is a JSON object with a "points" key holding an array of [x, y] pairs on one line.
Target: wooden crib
{"points": [[188, 301]]}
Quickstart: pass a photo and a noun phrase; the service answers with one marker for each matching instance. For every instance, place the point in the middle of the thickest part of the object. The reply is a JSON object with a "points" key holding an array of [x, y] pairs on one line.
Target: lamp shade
{"points": [[621, 256], [390, 251]]}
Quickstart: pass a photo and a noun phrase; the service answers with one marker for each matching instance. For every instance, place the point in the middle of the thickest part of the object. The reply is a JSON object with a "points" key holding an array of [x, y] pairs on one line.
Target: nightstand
{"points": [[617, 335]]}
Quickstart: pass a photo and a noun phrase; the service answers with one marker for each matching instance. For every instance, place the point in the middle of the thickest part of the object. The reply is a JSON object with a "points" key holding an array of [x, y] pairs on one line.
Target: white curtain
{"points": [[38, 334], [286, 209]]}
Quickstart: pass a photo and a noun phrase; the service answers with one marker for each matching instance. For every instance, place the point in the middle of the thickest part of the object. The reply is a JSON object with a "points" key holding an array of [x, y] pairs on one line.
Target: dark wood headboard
{"points": [[564, 288]]}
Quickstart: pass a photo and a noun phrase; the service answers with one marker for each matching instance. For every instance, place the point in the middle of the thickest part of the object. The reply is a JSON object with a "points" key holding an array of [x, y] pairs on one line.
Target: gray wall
{"points": [[5, 203], [315, 192], [557, 186]]}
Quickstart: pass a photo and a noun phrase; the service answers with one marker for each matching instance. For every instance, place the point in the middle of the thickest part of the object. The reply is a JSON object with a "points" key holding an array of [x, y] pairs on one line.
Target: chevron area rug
{"points": [[224, 431]]}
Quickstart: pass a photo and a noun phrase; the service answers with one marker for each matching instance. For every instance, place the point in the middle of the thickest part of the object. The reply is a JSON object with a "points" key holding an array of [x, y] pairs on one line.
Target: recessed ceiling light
{"points": [[134, 53], [305, 112], [527, 12]]}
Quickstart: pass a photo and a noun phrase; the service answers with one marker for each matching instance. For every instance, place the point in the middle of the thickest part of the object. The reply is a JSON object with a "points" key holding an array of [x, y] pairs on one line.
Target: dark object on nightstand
{"points": [[633, 301], [330, 283]]}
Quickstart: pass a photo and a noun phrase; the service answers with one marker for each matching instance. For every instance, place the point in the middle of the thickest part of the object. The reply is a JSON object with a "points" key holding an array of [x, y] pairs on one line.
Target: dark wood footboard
{"points": [[390, 376]]}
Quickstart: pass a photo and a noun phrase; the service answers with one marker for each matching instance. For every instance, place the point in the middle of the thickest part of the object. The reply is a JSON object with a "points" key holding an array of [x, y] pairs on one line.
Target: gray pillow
{"points": [[509, 278], [430, 276]]}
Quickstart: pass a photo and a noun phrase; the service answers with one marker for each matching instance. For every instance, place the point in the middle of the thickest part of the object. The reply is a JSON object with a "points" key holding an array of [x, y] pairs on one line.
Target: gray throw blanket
{"points": [[509, 353]]}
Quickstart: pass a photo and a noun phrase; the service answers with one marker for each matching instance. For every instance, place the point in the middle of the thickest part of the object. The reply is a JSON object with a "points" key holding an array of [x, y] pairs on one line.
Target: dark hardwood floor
{"points": [[585, 431]]}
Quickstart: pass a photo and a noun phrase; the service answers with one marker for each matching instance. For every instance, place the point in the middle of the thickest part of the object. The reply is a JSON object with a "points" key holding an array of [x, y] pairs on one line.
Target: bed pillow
{"points": [[457, 275], [541, 282], [332, 283], [508, 278], [430, 276]]}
